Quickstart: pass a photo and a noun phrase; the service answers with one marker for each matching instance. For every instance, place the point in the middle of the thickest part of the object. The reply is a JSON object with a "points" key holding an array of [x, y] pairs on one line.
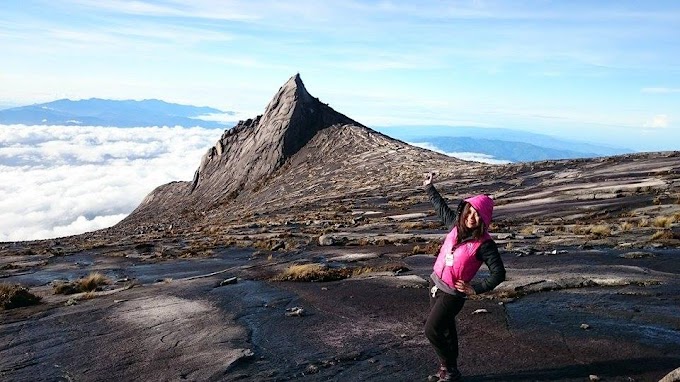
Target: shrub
{"points": [[16, 296]]}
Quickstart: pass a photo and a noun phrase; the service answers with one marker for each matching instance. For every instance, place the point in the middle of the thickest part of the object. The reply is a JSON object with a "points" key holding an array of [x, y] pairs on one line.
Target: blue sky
{"points": [[600, 71]]}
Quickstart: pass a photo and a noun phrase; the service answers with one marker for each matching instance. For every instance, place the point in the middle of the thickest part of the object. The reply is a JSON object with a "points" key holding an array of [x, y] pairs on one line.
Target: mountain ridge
{"points": [[504, 140], [111, 113], [514, 151], [295, 137]]}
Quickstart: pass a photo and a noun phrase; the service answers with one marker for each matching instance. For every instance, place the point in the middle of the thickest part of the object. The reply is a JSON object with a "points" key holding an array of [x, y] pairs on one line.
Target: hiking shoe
{"points": [[449, 375], [445, 374]]}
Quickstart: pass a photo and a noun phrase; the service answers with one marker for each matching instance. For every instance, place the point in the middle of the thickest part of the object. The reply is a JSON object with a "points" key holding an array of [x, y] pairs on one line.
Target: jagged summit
{"points": [[252, 150], [297, 147]]}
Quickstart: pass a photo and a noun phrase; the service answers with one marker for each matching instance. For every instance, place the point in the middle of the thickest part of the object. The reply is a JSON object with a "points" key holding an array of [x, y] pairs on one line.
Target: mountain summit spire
{"points": [[247, 154], [291, 154]]}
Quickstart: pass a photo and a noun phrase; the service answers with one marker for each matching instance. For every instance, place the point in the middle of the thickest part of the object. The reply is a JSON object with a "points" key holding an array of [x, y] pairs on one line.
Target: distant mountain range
{"points": [[104, 112], [502, 144]]}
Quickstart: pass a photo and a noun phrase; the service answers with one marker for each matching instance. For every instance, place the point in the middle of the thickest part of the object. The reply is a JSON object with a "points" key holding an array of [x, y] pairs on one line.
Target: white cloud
{"points": [[60, 181], [475, 157], [478, 157], [658, 121]]}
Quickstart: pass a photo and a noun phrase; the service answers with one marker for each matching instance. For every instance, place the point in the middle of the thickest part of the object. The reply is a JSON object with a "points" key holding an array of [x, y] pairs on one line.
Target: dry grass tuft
{"points": [[312, 272], [420, 225], [383, 268], [625, 226], [579, 229], [88, 296], [644, 222], [319, 272], [663, 235], [16, 296], [529, 230], [65, 288], [431, 248], [363, 241], [92, 282], [600, 230], [663, 221]]}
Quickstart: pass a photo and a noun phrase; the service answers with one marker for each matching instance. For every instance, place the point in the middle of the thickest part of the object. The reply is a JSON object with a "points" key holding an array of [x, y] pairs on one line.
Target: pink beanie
{"points": [[484, 206]]}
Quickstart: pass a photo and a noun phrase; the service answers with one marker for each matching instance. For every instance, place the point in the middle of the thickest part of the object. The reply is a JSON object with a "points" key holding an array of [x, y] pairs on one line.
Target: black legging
{"points": [[440, 327]]}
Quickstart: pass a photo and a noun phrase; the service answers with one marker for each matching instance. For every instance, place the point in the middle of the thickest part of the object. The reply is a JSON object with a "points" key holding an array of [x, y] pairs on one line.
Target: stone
{"points": [[418, 215], [229, 281], [673, 376], [325, 240], [312, 369], [295, 311]]}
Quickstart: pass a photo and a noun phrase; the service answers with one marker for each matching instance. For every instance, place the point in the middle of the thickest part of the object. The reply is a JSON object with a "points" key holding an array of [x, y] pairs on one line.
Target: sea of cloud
{"points": [[64, 180], [473, 157]]}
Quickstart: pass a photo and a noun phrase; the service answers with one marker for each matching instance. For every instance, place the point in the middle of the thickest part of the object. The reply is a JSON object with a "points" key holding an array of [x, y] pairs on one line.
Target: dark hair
{"points": [[463, 231]]}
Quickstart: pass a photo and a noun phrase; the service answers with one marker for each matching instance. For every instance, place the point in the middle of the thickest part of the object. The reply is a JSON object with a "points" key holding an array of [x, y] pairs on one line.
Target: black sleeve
{"points": [[447, 215], [488, 253]]}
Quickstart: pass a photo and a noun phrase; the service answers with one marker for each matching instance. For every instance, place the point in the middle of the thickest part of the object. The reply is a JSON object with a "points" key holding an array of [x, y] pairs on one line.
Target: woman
{"points": [[465, 248]]}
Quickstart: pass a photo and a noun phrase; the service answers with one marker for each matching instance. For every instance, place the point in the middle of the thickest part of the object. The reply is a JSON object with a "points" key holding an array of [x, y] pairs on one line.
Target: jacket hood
{"points": [[484, 206]]}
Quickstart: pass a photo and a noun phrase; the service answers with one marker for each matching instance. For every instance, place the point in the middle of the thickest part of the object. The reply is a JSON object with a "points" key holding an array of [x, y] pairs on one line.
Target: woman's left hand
{"points": [[464, 287]]}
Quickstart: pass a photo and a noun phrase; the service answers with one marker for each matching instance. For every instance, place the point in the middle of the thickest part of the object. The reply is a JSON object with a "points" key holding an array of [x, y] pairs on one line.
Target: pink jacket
{"points": [[458, 262]]}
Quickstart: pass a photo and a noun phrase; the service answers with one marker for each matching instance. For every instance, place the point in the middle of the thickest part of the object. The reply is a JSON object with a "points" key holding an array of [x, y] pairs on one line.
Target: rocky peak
{"points": [[247, 154]]}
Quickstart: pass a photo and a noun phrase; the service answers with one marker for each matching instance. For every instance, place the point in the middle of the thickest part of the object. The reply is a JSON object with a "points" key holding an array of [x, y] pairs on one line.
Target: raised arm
{"points": [[447, 215]]}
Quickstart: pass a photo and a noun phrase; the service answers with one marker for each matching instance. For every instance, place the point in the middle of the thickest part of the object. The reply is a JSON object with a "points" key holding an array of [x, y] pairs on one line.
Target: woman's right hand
{"points": [[428, 178]]}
